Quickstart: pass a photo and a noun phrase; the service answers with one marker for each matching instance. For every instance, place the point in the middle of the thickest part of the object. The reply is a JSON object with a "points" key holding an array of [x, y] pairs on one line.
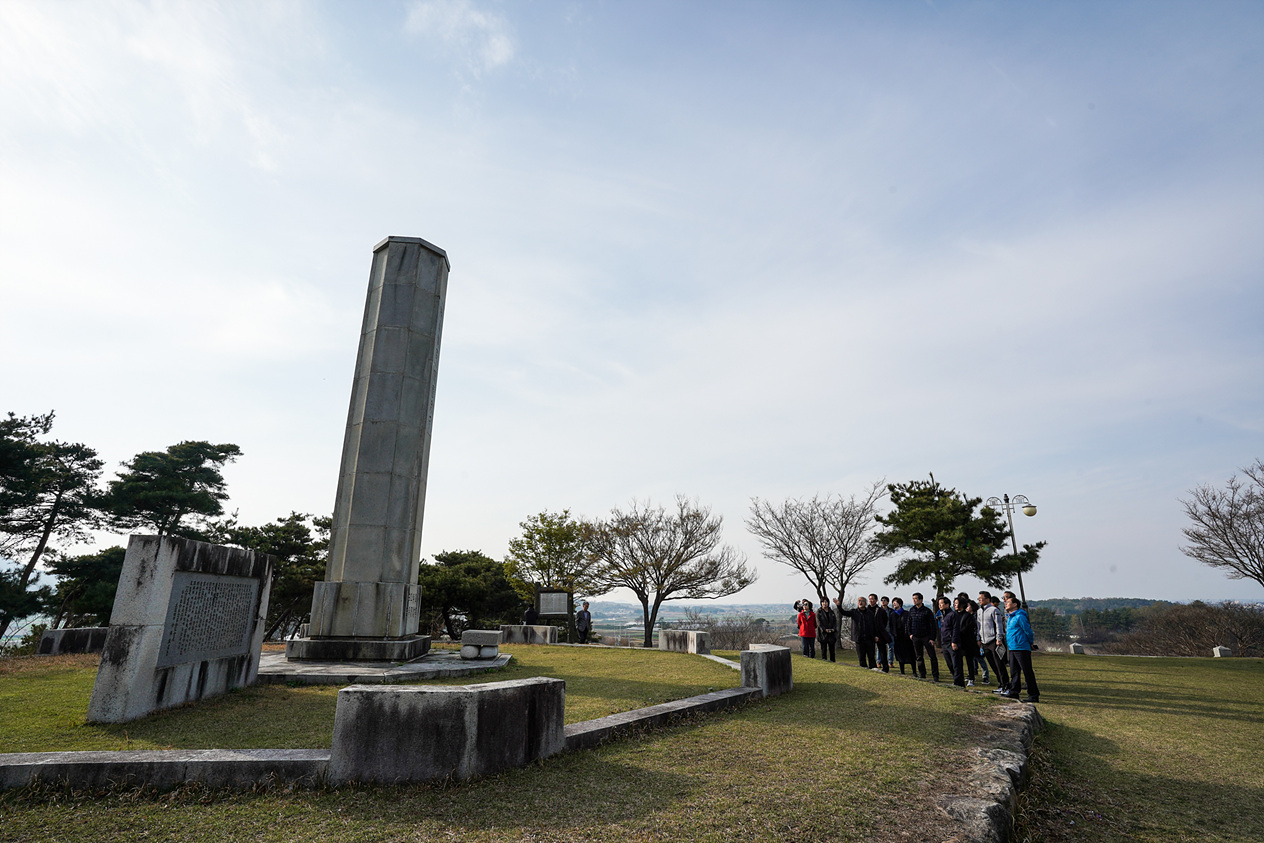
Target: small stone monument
{"points": [[1077, 649], [1221, 652], [188, 623], [480, 644], [368, 606]]}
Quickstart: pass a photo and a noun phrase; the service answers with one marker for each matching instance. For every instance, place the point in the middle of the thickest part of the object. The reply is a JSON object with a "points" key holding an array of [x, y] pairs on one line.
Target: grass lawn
{"points": [[849, 755], [1146, 749], [43, 701]]}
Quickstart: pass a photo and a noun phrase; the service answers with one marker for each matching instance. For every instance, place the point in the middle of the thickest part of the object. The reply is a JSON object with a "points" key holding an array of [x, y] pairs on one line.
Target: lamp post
{"points": [[1008, 505]]}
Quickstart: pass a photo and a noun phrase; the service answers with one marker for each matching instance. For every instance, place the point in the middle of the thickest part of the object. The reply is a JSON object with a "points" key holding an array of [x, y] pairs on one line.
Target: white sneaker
{"points": [[969, 683]]}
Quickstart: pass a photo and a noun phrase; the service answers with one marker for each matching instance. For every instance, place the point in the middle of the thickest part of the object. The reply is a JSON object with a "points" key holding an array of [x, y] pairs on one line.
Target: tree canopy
{"points": [[84, 595], [946, 536], [300, 544], [47, 493], [160, 489], [661, 555], [464, 589], [550, 553]]}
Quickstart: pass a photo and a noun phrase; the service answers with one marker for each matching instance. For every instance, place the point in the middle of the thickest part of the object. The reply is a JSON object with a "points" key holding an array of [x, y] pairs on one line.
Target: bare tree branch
{"points": [[828, 540], [660, 555], [1227, 525]]}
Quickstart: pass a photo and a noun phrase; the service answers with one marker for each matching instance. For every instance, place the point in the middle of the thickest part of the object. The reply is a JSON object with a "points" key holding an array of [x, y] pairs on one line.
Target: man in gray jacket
{"points": [[992, 636]]}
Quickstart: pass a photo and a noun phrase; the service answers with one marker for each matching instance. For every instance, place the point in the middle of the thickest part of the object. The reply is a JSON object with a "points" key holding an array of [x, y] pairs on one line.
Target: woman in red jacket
{"points": [[807, 629]]}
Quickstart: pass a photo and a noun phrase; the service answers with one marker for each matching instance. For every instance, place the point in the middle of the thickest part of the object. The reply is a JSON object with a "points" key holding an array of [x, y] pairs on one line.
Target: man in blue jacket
{"points": [[1018, 639]]}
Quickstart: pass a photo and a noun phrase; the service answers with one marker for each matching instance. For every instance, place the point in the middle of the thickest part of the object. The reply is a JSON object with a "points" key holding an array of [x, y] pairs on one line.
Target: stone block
{"points": [[188, 623], [481, 637], [1077, 649], [1221, 652], [767, 667], [84, 639], [365, 610], [358, 649], [523, 634], [411, 734], [684, 641]]}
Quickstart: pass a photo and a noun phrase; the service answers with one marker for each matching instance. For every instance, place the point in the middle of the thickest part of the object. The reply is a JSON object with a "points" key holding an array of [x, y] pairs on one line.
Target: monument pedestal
{"points": [[358, 649]]}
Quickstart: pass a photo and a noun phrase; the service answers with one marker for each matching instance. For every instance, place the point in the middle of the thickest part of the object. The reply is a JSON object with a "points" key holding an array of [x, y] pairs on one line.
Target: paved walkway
{"points": [[275, 669]]}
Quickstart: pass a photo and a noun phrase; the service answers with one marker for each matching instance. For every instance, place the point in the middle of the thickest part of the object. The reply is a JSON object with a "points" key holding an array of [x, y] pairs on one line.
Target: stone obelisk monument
{"points": [[367, 607]]}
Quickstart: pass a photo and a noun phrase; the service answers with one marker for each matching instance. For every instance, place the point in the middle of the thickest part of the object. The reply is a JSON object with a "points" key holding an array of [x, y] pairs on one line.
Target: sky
{"points": [[721, 249]]}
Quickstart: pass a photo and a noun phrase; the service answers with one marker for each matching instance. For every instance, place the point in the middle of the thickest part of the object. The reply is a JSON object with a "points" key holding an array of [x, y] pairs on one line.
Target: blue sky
{"points": [[720, 249]]}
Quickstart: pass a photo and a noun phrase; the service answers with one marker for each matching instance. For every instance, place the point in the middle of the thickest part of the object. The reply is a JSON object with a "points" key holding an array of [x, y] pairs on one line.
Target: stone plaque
{"points": [[188, 623], [209, 617], [553, 602]]}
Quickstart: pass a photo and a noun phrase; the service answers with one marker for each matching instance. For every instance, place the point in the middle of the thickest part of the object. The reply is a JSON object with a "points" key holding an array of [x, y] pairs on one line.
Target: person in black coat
{"points": [[861, 630], [948, 621], [901, 643], [922, 631], [965, 643], [826, 630], [881, 631]]}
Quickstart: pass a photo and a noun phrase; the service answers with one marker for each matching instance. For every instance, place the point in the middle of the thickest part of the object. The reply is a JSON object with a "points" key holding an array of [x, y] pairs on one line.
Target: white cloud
{"points": [[482, 40]]}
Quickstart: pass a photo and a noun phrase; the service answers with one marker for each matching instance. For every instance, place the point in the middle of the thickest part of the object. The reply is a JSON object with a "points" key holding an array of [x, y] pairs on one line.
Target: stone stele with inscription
{"points": [[188, 623]]}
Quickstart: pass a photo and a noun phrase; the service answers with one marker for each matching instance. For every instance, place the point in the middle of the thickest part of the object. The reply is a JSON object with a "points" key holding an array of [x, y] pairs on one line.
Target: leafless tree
{"points": [[1194, 629], [828, 540], [731, 632], [1227, 529], [662, 555]]}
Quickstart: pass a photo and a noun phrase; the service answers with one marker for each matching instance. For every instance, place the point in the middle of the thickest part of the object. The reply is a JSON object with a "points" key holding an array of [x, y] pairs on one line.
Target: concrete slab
{"points": [[590, 733], [165, 768], [275, 669]]}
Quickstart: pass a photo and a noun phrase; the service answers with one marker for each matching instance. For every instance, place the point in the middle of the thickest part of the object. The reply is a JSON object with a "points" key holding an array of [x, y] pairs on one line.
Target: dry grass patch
{"points": [[849, 755], [1147, 749]]}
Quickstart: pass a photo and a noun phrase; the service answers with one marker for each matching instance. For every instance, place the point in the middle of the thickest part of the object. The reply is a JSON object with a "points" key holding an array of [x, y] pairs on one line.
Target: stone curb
{"points": [[998, 774], [590, 733], [243, 768]]}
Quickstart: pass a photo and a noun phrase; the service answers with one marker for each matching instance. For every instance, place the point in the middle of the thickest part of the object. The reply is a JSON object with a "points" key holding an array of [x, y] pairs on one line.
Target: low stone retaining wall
{"points": [[590, 733], [998, 774], [84, 639], [767, 667], [684, 641], [412, 734], [523, 634], [165, 768], [401, 734]]}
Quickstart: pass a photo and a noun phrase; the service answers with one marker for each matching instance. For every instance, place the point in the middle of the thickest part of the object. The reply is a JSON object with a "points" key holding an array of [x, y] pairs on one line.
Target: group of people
{"points": [[992, 636]]}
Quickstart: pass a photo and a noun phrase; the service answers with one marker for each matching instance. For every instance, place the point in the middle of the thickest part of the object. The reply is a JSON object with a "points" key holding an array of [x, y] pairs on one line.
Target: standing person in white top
{"points": [[992, 637]]}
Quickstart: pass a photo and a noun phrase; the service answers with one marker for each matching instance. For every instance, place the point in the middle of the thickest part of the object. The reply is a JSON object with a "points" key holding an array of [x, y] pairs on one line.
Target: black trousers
{"points": [[997, 665], [951, 663], [864, 652], [920, 644], [827, 645], [882, 656], [1020, 660], [972, 662]]}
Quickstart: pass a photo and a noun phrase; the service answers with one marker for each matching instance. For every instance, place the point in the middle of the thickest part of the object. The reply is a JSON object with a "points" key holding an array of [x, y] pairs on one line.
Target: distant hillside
{"points": [[1077, 605], [671, 610]]}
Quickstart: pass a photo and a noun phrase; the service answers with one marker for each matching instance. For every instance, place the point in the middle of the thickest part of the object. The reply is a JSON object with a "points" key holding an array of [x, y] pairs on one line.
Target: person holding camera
{"points": [[807, 628]]}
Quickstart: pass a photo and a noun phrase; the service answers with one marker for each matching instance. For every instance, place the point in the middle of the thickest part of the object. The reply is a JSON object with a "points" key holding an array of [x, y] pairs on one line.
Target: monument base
{"points": [[357, 649]]}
